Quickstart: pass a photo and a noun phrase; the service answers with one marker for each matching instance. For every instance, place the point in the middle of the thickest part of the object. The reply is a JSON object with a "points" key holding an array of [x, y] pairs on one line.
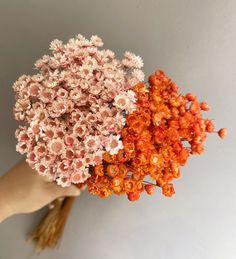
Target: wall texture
{"points": [[194, 42]]}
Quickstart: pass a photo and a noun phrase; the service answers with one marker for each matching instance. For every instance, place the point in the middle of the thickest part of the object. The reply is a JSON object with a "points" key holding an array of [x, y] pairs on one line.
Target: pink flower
{"points": [[68, 153], [97, 157], [104, 112], [22, 105], [47, 95], [95, 89], [32, 157], [63, 181], [79, 130], [126, 101], [57, 108], [74, 107], [70, 140], [40, 150], [121, 101], [75, 94], [80, 176], [42, 168], [64, 167], [56, 146], [22, 147], [113, 144], [35, 89], [91, 118], [92, 143], [57, 45], [96, 41], [63, 93], [79, 164], [131, 60]]}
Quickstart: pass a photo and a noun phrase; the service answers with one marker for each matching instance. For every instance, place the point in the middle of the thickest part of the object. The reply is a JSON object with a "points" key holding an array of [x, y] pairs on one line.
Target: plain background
{"points": [[195, 43]]}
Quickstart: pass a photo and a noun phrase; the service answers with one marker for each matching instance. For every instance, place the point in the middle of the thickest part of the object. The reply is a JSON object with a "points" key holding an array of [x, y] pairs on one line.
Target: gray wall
{"points": [[195, 43]]}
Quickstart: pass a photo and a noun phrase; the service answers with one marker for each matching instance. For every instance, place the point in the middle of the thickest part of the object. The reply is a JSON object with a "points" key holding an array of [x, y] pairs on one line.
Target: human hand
{"points": [[22, 190]]}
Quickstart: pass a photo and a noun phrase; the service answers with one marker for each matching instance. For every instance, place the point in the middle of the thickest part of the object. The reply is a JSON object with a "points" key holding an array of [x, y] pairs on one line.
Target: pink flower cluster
{"points": [[74, 108]]}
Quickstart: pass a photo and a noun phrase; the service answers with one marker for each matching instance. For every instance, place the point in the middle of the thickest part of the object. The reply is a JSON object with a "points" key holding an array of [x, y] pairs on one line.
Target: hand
{"points": [[22, 190]]}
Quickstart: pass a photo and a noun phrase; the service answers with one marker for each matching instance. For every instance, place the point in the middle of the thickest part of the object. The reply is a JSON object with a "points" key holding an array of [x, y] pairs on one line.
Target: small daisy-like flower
{"points": [[56, 146], [70, 140], [32, 157], [22, 147], [22, 105], [92, 143], [57, 108], [104, 112], [34, 89], [131, 95], [47, 95], [84, 84], [42, 168], [96, 41], [138, 74], [80, 176], [68, 153], [63, 181], [97, 157], [75, 94], [64, 167], [132, 60], [40, 149], [23, 136], [56, 45], [79, 130], [91, 99], [122, 101], [120, 120], [62, 93], [35, 128], [95, 89], [79, 164], [113, 144], [86, 71], [91, 118]]}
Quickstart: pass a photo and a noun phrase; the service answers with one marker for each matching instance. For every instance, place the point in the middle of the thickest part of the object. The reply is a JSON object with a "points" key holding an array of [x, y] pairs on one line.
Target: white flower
{"points": [[121, 101], [131, 60], [56, 45], [113, 144], [131, 95], [138, 74], [96, 41]]}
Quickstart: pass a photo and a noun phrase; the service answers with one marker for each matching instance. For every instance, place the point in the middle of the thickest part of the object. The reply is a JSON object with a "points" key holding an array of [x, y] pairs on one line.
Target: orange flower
{"points": [[112, 170], [158, 139], [168, 189], [99, 170]]}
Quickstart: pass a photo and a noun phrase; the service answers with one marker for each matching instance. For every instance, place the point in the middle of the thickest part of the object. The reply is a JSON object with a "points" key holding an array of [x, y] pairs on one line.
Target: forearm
{"points": [[10, 196], [5, 201], [22, 190]]}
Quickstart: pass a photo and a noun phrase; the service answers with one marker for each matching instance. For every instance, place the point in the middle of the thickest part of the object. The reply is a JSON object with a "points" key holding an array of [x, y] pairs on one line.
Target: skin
{"points": [[22, 190]]}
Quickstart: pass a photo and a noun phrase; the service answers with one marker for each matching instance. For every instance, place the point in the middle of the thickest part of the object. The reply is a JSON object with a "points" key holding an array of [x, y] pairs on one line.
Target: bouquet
{"points": [[91, 120]]}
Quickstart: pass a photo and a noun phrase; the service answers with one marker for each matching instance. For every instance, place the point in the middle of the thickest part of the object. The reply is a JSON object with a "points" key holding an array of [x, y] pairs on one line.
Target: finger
{"points": [[59, 191], [71, 191]]}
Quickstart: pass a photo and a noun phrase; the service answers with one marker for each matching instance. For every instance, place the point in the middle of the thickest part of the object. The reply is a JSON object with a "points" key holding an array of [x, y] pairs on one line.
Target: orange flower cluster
{"points": [[158, 138]]}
